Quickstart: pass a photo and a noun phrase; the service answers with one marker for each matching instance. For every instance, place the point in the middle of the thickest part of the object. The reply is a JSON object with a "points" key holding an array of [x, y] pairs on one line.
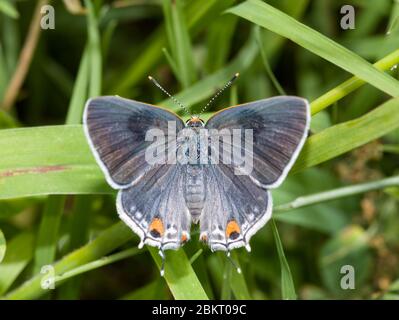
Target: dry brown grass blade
{"points": [[25, 58]]}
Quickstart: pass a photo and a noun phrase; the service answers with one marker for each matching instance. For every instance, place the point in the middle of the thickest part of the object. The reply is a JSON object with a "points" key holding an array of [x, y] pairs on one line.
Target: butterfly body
{"points": [[170, 174], [195, 190]]}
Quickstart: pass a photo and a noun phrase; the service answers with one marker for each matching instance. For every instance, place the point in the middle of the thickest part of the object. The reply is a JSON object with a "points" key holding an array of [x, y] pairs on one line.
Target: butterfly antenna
{"points": [[217, 94], [169, 95], [233, 262], [162, 254]]}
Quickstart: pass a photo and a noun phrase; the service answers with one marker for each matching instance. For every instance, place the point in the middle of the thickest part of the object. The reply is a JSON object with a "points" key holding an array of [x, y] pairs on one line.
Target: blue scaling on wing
{"points": [[115, 128], [280, 127], [237, 200]]}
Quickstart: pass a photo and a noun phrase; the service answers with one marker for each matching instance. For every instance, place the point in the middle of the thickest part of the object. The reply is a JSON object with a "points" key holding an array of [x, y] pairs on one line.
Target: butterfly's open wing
{"points": [[116, 130], [279, 128], [235, 208], [149, 200], [237, 202], [155, 208]]}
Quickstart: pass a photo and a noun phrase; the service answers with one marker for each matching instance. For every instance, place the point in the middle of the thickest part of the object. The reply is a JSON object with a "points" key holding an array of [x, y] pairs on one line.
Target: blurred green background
{"points": [[192, 48]]}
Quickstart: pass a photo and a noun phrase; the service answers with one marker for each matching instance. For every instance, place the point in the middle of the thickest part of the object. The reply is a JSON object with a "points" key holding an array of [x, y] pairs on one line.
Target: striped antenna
{"points": [[170, 96], [228, 84]]}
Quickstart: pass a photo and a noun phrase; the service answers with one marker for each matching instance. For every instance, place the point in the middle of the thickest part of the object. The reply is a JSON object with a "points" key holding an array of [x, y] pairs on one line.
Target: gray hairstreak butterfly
{"points": [[171, 174]]}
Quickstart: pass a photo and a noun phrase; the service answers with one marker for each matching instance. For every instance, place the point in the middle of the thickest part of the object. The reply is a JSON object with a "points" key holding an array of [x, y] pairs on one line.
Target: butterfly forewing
{"points": [[116, 130], [279, 128]]}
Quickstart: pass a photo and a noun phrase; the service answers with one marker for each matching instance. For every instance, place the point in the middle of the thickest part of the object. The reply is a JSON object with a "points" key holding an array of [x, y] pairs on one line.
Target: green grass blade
{"points": [[197, 12], [349, 135], [226, 288], [269, 17], [351, 84], [59, 155], [287, 284], [46, 243], [179, 41], [219, 41], [172, 64], [79, 96], [19, 253], [3, 246], [205, 88], [7, 121], [106, 242], [94, 46], [238, 283], [154, 290], [78, 232], [269, 71], [104, 261], [8, 8], [179, 275]]}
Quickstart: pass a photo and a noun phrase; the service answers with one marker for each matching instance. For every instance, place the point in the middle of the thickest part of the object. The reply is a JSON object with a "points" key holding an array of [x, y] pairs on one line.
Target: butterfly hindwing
{"points": [[155, 208], [116, 130], [235, 208]]}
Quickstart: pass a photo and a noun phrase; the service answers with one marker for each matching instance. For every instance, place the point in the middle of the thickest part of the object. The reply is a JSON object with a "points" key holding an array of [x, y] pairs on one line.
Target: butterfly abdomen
{"points": [[195, 191]]}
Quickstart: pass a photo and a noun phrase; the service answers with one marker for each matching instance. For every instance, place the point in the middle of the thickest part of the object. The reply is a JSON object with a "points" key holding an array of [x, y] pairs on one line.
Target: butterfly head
{"points": [[195, 122]]}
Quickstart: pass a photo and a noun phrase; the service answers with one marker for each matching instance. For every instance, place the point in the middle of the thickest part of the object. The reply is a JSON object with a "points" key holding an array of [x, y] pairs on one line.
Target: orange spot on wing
{"points": [[184, 237], [232, 228], [156, 228]]}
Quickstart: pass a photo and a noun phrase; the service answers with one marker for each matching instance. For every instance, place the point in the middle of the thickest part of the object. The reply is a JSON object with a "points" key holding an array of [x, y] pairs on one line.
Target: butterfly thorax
{"points": [[195, 122]]}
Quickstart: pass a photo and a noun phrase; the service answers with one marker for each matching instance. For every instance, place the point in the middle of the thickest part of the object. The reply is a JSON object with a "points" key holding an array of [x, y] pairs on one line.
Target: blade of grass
{"points": [[7, 121], [178, 272], [226, 288], [269, 71], [3, 74], [238, 283], [195, 256], [94, 46], [11, 41], [3, 246], [206, 87], [336, 194], [179, 41], [110, 239], [179, 275], [273, 19], [172, 63], [104, 261], [219, 41], [351, 84], [19, 253], [154, 290], [346, 136], [287, 284], [78, 232], [197, 12], [25, 58], [8, 8], [79, 95], [46, 243]]}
